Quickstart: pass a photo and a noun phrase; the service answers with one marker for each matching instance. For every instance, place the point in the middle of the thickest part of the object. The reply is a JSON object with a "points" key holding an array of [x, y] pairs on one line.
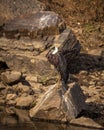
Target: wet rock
{"points": [[10, 77], [24, 101], [54, 107], [86, 122], [35, 25], [22, 115]]}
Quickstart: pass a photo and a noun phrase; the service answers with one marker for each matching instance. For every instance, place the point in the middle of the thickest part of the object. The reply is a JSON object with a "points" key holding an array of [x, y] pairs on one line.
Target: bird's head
{"points": [[52, 56], [54, 50]]}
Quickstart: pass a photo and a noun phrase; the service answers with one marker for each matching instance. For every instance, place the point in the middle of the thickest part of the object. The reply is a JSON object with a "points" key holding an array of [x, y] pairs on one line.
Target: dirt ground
{"points": [[86, 19]]}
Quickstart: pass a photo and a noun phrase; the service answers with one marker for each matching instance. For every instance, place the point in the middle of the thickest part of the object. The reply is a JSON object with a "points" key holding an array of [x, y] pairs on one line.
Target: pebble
{"points": [[24, 102], [10, 77]]}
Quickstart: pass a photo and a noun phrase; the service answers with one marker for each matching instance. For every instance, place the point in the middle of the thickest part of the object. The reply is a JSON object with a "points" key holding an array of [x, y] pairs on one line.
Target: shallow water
{"points": [[42, 126]]}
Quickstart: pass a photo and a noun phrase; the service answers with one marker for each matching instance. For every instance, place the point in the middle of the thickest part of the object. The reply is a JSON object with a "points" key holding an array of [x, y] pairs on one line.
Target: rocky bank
{"points": [[25, 74]]}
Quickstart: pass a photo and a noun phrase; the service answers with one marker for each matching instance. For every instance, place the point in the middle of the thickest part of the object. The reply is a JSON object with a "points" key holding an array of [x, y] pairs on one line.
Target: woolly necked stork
{"points": [[61, 57]]}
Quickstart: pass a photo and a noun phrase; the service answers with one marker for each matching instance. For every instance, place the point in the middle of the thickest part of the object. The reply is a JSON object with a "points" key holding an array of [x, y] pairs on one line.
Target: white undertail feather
{"points": [[55, 51]]}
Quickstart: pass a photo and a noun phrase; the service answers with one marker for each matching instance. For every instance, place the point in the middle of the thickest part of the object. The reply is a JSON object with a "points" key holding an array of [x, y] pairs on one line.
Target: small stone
{"points": [[31, 78], [86, 122], [11, 102], [10, 77], [24, 102], [92, 83], [11, 96], [32, 61], [22, 88], [83, 72]]}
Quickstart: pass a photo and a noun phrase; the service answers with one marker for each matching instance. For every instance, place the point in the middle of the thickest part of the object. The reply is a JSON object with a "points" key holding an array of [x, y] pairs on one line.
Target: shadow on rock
{"points": [[95, 112], [86, 62]]}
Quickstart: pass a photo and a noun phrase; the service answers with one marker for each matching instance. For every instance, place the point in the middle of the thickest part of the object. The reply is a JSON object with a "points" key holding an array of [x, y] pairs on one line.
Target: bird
{"points": [[60, 57]]}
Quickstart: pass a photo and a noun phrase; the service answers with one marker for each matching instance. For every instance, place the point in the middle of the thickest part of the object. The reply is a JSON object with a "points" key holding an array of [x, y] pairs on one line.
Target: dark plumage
{"points": [[59, 61], [62, 56]]}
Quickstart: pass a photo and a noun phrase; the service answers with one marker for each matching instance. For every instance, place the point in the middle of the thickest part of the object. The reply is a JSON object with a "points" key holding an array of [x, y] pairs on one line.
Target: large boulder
{"points": [[59, 107], [35, 25]]}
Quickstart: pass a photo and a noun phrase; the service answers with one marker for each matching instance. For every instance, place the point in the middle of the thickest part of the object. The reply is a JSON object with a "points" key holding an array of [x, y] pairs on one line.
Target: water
{"points": [[42, 126]]}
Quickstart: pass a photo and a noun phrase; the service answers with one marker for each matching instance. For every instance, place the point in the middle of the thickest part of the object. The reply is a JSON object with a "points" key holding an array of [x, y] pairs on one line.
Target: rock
{"points": [[48, 106], [86, 122], [10, 77], [8, 11], [22, 88], [37, 87], [11, 102], [24, 101], [31, 78], [65, 36], [22, 115], [2, 86], [11, 96], [2, 102], [75, 99], [10, 99], [9, 111], [63, 108], [97, 52], [35, 25]]}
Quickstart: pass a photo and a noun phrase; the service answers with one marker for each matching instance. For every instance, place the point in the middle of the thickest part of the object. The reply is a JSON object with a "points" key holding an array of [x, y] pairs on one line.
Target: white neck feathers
{"points": [[55, 51]]}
